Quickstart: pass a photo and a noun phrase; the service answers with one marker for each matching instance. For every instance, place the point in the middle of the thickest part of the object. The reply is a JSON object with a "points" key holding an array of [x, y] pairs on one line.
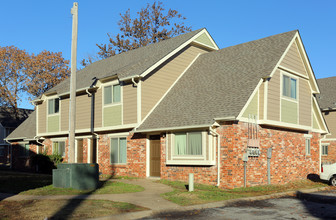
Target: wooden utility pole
{"points": [[72, 110]]}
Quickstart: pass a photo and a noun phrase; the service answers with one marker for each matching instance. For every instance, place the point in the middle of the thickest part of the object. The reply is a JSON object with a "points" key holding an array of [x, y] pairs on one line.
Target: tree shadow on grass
{"points": [[67, 210]]}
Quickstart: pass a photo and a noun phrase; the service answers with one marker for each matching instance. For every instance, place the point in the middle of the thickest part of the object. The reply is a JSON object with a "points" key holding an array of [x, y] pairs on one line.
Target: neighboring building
{"points": [[183, 106], [327, 102], [9, 121]]}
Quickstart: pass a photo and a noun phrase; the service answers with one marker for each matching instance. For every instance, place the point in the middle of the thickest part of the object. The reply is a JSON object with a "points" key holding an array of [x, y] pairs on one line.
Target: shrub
{"points": [[42, 163]]}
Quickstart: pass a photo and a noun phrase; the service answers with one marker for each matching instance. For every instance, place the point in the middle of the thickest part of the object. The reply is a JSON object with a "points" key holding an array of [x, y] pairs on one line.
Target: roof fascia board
{"points": [[230, 118], [325, 127], [173, 128], [168, 90], [250, 99], [150, 69], [130, 77], [17, 138], [283, 55], [307, 63]]}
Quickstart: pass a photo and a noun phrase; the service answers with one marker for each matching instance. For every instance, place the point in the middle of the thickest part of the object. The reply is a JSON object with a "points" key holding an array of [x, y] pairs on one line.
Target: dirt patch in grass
{"points": [[63, 209], [205, 193]]}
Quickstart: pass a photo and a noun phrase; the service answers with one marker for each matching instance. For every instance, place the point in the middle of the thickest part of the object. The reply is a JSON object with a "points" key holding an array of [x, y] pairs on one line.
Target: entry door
{"points": [[79, 151], [155, 156]]}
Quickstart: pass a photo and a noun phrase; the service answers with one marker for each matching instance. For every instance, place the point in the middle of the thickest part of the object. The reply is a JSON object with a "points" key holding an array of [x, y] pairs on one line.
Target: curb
{"points": [[148, 213]]}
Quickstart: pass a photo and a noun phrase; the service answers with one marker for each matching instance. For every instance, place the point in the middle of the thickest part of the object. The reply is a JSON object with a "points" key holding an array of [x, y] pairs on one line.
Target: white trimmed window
{"points": [[325, 149], [307, 146], [289, 88], [112, 94], [188, 143], [53, 106], [118, 150], [58, 147]]}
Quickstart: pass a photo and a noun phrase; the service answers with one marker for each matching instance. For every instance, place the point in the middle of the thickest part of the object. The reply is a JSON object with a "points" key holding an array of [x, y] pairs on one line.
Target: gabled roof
{"points": [[327, 98], [8, 118], [26, 130], [218, 84], [126, 64]]}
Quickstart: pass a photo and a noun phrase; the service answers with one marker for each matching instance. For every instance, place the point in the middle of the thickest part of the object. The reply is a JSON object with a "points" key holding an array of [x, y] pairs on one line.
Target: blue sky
{"points": [[38, 25]]}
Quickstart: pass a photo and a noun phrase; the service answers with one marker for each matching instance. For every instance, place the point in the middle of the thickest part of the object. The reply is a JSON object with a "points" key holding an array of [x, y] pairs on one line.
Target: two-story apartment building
{"points": [[185, 106], [327, 102]]}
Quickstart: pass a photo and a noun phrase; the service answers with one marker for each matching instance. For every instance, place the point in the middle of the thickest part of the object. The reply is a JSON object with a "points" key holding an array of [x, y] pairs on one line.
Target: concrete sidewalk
{"points": [[149, 198]]}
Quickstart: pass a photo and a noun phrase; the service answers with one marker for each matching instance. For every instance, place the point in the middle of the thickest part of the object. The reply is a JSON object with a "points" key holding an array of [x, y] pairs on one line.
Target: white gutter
{"points": [[36, 139], [130, 77], [218, 155], [230, 118], [133, 81], [173, 128]]}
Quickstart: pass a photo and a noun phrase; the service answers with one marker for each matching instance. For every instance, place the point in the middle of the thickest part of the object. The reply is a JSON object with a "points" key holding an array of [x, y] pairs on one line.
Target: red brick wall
{"points": [[331, 157], [136, 157], [289, 161]]}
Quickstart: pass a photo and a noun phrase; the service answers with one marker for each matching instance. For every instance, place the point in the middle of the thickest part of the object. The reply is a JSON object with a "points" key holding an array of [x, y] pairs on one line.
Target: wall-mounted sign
{"points": [[253, 152]]}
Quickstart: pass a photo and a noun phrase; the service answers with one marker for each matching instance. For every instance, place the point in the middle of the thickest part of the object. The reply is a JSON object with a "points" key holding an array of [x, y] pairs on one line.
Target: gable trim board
{"points": [[150, 69], [324, 126]]}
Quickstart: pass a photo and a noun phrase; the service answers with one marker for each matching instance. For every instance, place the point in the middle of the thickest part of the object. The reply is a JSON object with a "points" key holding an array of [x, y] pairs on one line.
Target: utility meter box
{"points": [[81, 176]]}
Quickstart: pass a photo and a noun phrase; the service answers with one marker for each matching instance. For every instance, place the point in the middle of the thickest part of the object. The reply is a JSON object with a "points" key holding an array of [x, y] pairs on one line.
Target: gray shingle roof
{"points": [[218, 84], [133, 62], [27, 129], [327, 97]]}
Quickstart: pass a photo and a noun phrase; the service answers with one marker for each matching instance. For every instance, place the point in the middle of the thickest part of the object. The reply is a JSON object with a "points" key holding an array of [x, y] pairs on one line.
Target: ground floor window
{"points": [[188, 143], [24, 150], [324, 149], [118, 150], [59, 148], [307, 146]]}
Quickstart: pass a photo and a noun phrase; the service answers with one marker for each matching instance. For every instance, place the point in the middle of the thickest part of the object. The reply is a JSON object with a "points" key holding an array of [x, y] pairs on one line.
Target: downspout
{"points": [[11, 154], [218, 155], [37, 141], [133, 81]]}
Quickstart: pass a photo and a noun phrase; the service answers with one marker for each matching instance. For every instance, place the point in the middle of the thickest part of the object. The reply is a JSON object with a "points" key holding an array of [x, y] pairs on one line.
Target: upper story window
{"points": [[289, 88], [53, 106], [112, 94], [188, 143]]}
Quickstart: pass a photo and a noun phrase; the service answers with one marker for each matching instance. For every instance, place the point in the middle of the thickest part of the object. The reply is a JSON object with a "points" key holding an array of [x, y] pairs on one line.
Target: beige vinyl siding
{"points": [[53, 123], [98, 110], [129, 104], [204, 39], [83, 111], [252, 108], [304, 102], [289, 111], [317, 120], [112, 115], [159, 81], [293, 60], [261, 101], [64, 114], [330, 118], [273, 97], [42, 117]]}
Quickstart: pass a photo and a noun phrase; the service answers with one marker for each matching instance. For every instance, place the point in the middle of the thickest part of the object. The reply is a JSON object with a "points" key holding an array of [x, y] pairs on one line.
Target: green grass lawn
{"points": [[41, 184], [205, 193]]}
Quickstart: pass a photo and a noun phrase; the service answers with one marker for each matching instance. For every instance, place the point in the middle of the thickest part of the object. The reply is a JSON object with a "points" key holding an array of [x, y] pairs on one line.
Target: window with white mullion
{"points": [[118, 151], [53, 106], [289, 87], [112, 94], [189, 143]]}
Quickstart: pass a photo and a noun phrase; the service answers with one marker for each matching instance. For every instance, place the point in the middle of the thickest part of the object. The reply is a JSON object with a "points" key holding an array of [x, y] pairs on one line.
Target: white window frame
{"points": [[323, 149], [110, 148], [113, 83], [308, 146], [283, 73], [59, 140], [59, 105], [196, 157]]}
